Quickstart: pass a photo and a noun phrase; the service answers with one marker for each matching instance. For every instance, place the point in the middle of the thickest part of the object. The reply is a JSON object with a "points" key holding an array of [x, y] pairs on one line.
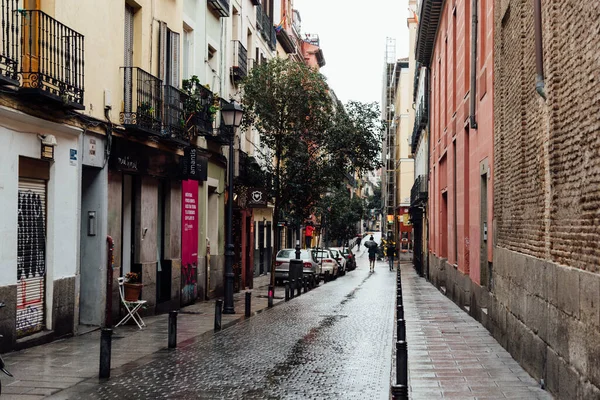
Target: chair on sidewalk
{"points": [[132, 307]]}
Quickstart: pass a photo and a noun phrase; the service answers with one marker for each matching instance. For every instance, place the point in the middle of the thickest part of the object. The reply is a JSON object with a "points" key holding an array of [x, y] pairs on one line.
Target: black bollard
{"points": [[399, 392], [292, 288], [399, 299], [305, 284], [401, 363], [287, 292], [248, 304], [399, 311], [401, 329], [270, 296], [218, 314], [105, 350], [299, 286], [172, 329]]}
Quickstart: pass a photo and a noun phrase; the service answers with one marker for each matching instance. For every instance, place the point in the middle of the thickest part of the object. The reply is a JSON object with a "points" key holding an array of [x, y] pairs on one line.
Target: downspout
{"points": [[540, 85], [473, 90]]}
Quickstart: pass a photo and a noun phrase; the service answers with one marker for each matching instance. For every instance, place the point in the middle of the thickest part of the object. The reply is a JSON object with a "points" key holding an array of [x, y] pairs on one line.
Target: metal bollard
{"points": [[172, 329], [399, 299], [248, 304], [399, 311], [105, 350], [287, 292], [218, 314], [305, 284], [401, 363], [401, 329], [399, 392], [292, 288], [299, 286], [270, 296]]}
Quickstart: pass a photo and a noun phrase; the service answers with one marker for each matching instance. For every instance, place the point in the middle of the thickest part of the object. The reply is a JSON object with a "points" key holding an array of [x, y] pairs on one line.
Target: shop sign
{"points": [[256, 197], [189, 222], [194, 166]]}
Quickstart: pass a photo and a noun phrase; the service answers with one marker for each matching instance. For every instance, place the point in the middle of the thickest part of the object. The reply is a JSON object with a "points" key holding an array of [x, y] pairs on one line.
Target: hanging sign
{"points": [[256, 197], [194, 166], [189, 222]]}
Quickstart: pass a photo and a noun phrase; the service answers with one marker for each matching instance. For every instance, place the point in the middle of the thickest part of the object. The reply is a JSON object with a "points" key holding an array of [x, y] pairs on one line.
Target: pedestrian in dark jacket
{"points": [[371, 245], [391, 253]]}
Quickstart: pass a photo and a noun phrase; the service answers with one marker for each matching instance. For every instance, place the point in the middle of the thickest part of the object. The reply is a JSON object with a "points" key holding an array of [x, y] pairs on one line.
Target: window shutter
{"points": [[174, 45], [162, 51]]}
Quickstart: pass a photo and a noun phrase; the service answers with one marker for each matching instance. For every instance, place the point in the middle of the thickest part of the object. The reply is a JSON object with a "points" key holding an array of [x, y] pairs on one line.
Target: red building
{"points": [[455, 42]]}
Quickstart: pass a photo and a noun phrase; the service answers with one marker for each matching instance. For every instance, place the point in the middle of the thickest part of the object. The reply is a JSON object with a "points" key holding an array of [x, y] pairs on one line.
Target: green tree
{"points": [[289, 104], [340, 215]]}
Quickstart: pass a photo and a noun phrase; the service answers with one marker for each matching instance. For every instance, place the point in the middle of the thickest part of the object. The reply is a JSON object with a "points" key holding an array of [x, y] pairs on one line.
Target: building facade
{"points": [[545, 304], [455, 44]]}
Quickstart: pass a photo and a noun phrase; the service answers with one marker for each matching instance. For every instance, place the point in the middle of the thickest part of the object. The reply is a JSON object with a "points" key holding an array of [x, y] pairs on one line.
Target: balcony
{"points": [[142, 105], [52, 58], [174, 121], [221, 7], [273, 38], [9, 42], [288, 44], [239, 70], [266, 26], [259, 19], [418, 193], [421, 107], [199, 110]]}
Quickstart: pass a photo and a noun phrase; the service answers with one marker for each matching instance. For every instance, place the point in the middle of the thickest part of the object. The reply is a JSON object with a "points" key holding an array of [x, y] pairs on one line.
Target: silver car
{"points": [[327, 262], [310, 266]]}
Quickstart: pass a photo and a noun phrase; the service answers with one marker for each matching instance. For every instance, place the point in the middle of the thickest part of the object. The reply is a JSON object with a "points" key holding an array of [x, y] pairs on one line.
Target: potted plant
{"points": [[132, 286]]}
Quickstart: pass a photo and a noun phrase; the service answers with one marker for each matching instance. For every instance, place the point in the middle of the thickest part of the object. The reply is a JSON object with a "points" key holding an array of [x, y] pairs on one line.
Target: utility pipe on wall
{"points": [[473, 90], [540, 85]]}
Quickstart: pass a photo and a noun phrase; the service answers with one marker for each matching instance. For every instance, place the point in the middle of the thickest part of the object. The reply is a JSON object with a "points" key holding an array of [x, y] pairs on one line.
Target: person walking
{"points": [[308, 234], [371, 246], [391, 253], [358, 240]]}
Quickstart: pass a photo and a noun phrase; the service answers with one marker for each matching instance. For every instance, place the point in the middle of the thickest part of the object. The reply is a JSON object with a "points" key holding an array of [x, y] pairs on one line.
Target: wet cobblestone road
{"points": [[333, 342]]}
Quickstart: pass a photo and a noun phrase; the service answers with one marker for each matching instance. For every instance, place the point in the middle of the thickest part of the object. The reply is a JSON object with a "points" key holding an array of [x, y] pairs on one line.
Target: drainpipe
{"points": [[473, 90], [540, 85]]}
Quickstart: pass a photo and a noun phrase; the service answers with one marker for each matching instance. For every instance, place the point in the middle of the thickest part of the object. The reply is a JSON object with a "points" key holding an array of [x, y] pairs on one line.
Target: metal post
{"points": [[105, 352], [270, 296], [401, 363], [399, 299], [399, 392], [298, 245], [305, 280], [248, 304], [292, 288], [399, 311], [109, 282], [218, 311], [401, 329], [287, 292], [299, 285], [229, 249], [172, 329]]}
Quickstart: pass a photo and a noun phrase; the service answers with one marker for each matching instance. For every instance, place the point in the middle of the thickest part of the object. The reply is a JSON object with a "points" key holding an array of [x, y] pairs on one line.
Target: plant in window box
{"points": [[133, 286]]}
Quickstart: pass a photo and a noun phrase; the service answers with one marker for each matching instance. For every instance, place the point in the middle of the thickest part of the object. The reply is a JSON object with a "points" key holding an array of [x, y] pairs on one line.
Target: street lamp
{"points": [[232, 117]]}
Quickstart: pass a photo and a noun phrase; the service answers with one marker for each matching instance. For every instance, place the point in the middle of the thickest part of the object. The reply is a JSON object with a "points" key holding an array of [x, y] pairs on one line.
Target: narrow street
{"points": [[333, 342]]}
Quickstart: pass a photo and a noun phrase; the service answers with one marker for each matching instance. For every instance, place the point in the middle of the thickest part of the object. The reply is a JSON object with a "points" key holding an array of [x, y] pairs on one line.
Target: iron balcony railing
{"points": [[142, 106], [266, 26], [259, 19], [418, 193], [221, 7], [239, 69], [200, 118], [174, 121], [421, 107], [9, 42], [52, 58]]}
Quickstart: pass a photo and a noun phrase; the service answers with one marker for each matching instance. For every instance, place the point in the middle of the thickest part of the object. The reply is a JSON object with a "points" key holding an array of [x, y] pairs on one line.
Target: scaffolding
{"points": [[388, 178]]}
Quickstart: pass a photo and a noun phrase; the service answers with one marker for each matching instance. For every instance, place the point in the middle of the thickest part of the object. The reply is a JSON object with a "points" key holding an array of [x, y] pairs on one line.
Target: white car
{"points": [[328, 264], [341, 260]]}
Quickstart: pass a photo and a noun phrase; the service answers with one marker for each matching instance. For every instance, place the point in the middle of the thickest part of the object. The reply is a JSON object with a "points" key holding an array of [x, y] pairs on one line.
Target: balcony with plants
{"points": [[174, 121], [143, 100], [199, 107]]}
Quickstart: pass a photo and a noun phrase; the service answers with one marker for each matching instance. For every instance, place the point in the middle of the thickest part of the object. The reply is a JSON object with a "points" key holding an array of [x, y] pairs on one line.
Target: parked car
{"points": [[349, 256], [328, 265], [282, 264], [336, 252]]}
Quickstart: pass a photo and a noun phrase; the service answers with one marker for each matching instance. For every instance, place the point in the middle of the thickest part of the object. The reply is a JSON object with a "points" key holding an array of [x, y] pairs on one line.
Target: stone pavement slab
{"points": [[451, 355]]}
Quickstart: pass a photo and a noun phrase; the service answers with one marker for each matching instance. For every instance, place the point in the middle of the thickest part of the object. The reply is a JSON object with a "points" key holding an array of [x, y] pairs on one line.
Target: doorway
{"points": [[163, 267]]}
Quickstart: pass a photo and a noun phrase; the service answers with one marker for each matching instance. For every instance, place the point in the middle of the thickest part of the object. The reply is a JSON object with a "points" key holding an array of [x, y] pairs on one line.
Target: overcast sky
{"points": [[353, 38]]}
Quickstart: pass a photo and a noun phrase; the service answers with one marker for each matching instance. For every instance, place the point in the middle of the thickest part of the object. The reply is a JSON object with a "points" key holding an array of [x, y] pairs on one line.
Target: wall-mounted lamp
{"points": [[48, 145]]}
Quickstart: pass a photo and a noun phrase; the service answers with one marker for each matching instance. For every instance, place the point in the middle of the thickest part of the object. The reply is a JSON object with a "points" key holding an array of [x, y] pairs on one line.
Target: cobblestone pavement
{"points": [[333, 342], [451, 355]]}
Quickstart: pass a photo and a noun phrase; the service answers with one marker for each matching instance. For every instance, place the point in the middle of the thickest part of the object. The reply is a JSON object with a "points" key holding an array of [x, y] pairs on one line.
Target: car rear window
{"points": [[291, 253]]}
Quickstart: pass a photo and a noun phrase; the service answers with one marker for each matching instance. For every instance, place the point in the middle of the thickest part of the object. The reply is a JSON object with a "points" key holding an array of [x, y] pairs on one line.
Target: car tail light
{"points": [[328, 260], [307, 265], [278, 263], [349, 255]]}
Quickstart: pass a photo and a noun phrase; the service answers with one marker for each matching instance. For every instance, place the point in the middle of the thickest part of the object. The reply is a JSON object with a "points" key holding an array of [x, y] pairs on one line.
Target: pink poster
{"points": [[189, 223]]}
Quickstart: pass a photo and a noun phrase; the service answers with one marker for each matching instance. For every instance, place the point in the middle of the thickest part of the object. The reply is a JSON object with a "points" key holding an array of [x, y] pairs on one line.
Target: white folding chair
{"points": [[132, 307]]}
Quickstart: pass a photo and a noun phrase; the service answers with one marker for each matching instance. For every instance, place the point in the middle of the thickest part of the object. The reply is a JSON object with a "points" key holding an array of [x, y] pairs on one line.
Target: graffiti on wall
{"points": [[31, 243]]}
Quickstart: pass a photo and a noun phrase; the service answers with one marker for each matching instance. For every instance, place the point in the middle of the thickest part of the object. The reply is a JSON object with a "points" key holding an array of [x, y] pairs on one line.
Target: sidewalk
{"points": [[451, 355], [47, 369]]}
